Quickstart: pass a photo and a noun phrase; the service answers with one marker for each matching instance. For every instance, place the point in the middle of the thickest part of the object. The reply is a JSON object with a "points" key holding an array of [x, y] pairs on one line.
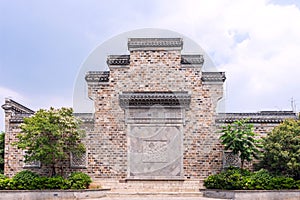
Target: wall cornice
{"points": [[213, 77], [136, 44], [259, 117], [97, 76], [148, 99]]}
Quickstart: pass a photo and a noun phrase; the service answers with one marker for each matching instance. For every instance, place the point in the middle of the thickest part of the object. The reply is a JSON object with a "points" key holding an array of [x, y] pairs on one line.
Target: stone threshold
{"points": [[159, 194]]}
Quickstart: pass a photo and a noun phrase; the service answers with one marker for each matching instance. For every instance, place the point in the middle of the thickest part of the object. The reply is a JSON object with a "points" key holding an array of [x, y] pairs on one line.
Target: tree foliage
{"points": [[240, 138], [2, 142], [50, 135], [281, 153]]}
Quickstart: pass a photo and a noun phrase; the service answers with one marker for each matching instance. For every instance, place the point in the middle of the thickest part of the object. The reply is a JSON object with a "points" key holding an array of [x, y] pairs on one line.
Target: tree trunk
{"points": [[53, 170], [61, 169], [242, 164], [53, 166]]}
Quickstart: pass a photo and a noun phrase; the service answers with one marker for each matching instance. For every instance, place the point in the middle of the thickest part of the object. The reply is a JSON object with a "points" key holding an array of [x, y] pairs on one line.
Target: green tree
{"points": [[281, 147], [2, 142], [240, 138], [49, 136]]}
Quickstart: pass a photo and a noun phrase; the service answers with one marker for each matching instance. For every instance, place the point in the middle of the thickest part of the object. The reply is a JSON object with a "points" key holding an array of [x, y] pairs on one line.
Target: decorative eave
{"points": [[149, 99], [19, 118], [135, 44], [15, 107], [97, 76], [118, 60], [192, 60], [213, 77], [259, 117]]}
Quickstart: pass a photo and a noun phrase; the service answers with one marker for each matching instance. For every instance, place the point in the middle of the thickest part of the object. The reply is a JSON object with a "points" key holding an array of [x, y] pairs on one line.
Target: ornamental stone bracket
{"points": [[192, 61], [152, 99], [213, 77], [118, 61], [97, 77]]}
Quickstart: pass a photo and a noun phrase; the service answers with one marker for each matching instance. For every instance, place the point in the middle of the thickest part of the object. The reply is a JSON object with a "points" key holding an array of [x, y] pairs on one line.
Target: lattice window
{"points": [[230, 159], [32, 164], [78, 160]]}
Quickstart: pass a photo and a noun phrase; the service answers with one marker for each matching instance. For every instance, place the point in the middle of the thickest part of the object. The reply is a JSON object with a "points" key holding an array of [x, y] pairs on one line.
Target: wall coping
{"points": [[118, 60], [257, 117], [213, 77], [97, 76], [141, 44]]}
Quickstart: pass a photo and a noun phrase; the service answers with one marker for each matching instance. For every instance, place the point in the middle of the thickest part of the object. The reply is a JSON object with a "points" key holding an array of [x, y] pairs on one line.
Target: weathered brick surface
{"points": [[154, 67]]}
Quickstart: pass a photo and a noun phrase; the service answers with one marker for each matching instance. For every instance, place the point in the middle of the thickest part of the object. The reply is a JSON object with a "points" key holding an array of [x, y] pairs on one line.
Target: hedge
{"points": [[27, 180], [241, 179]]}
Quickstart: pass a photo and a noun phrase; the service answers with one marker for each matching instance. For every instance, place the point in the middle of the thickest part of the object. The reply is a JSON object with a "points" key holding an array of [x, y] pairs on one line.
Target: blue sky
{"points": [[257, 43]]}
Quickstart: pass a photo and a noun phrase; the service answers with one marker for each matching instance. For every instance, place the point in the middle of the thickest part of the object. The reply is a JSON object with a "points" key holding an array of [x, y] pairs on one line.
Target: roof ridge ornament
{"points": [[17, 108], [140, 44]]}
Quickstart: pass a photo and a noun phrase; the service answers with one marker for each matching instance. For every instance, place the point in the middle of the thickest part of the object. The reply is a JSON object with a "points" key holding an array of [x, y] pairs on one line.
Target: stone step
{"points": [[158, 194]]}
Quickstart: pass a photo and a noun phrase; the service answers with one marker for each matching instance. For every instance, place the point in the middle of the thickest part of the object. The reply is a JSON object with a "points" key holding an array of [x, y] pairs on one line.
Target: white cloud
{"points": [[7, 93], [34, 101], [256, 43]]}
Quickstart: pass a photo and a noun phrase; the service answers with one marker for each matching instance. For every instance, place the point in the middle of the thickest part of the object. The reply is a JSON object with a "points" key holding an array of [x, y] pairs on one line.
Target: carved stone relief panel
{"points": [[155, 151]]}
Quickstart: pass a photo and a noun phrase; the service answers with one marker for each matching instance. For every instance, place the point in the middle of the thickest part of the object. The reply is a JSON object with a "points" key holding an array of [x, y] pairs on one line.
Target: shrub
{"points": [[56, 182], [260, 180], [281, 153], [236, 179], [25, 180], [2, 176], [79, 180], [4, 183], [298, 184], [230, 179], [282, 182]]}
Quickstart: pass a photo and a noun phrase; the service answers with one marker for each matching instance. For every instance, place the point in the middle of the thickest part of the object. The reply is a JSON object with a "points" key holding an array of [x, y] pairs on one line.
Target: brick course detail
{"points": [[155, 122]]}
